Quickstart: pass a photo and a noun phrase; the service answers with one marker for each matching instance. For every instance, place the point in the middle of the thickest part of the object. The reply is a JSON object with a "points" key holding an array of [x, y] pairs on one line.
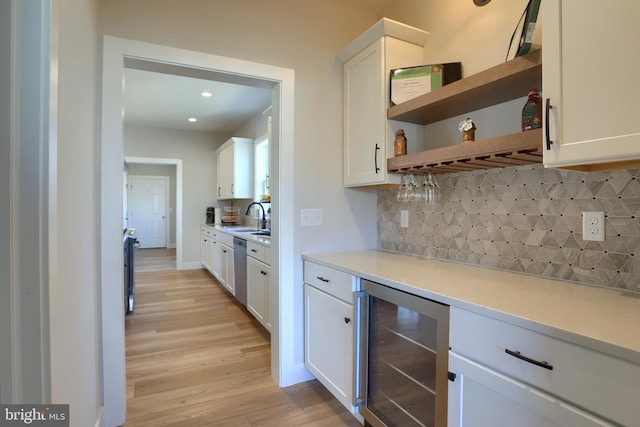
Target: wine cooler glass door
{"points": [[406, 361]]}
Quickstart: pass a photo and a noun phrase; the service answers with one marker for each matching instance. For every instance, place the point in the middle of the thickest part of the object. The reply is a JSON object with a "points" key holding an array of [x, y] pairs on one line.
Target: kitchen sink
{"points": [[241, 230], [262, 232]]}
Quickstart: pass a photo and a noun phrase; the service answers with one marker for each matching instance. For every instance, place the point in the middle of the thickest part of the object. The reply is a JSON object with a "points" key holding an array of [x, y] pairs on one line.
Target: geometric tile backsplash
{"points": [[526, 219]]}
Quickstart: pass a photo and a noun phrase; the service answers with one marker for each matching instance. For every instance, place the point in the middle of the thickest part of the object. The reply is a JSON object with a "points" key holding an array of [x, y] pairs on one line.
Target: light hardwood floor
{"points": [[195, 358]]}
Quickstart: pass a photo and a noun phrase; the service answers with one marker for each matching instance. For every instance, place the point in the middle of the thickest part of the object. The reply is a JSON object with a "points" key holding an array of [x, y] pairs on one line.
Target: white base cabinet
{"points": [[482, 397], [329, 330], [589, 76], [258, 274], [259, 289], [512, 376], [227, 276]]}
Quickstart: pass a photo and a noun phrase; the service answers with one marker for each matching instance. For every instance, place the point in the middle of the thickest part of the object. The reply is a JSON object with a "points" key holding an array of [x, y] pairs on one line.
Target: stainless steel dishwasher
{"points": [[240, 269]]}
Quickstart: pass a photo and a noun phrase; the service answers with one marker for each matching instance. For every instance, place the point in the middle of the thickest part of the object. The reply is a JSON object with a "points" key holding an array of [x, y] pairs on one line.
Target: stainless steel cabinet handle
{"points": [[322, 279], [360, 338], [520, 356]]}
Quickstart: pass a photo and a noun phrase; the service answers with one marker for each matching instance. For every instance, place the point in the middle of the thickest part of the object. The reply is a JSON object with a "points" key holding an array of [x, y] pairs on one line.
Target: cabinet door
{"points": [[590, 79], [481, 397], [329, 329], [225, 173], [205, 251], [226, 268], [364, 117], [215, 259], [257, 289]]}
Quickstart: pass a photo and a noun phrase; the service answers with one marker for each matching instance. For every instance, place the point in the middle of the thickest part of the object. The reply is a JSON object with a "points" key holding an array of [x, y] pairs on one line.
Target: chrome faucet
{"points": [[264, 217]]}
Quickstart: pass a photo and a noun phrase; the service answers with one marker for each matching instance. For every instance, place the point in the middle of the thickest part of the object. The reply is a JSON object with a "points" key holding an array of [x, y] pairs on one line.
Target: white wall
{"points": [[197, 152]]}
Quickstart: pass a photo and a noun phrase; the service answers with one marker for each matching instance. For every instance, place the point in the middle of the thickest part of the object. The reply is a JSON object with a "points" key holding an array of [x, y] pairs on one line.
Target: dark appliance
{"points": [[211, 215], [403, 344], [130, 243], [240, 269]]}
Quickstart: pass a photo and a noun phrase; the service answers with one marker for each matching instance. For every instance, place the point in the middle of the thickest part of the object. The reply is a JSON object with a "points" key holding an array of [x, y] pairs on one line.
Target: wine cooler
{"points": [[403, 344]]}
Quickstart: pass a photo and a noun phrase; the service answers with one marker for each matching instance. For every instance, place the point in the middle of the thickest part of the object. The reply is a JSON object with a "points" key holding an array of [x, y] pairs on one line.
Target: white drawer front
{"points": [[337, 283], [257, 251], [598, 382], [225, 238]]}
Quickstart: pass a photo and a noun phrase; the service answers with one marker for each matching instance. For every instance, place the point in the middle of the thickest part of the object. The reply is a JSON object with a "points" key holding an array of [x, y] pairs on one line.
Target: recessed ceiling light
{"points": [[192, 119], [206, 94]]}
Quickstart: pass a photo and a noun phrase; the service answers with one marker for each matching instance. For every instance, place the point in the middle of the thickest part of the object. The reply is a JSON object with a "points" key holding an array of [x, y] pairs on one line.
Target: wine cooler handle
{"points": [[360, 347]]}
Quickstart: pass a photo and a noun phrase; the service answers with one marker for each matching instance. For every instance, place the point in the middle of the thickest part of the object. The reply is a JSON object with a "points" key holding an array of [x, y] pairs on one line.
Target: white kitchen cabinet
{"points": [[329, 325], [258, 276], [227, 271], [589, 73], [215, 261], [526, 378], [482, 397], [235, 169], [206, 248], [368, 135]]}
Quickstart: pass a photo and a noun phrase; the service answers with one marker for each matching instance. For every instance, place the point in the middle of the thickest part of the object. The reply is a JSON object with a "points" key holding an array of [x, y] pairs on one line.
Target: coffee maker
{"points": [[211, 215]]}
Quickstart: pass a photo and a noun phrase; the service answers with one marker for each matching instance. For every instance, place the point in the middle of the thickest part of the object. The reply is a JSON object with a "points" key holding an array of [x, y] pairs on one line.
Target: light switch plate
{"points": [[404, 219], [310, 217], [593, 226]]}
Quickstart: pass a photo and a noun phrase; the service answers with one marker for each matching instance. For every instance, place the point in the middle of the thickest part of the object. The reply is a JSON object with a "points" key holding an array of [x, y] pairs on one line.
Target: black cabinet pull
{"points": [[375, 158], [254, 251], [546, 125], [347, 320], [517, 354], [322, 279], [451, 376], [264, 273]]}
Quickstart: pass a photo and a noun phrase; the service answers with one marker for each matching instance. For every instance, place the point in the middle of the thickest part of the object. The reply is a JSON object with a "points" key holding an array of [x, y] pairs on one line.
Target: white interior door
{"points": [[148, 209]]}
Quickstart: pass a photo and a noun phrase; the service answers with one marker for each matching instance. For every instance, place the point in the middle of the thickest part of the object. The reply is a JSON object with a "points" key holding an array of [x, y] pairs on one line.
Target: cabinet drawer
{"points": [[595, 381], [225, 239], [207, 231], [258, 252], [337, 283]]}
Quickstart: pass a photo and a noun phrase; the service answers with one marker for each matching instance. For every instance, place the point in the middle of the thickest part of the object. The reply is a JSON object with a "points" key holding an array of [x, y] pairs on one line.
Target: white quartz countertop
{"points": [[235, 230], [602, 319]]}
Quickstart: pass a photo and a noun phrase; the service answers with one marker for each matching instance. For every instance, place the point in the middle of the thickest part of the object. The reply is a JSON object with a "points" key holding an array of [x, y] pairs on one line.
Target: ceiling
{"points": [[157, 99], [165, 97]]}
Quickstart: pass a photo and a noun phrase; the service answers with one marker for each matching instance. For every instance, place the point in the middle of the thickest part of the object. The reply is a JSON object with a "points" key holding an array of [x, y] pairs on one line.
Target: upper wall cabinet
{"points": [[590, 84], [368, 135], [235, 169]]}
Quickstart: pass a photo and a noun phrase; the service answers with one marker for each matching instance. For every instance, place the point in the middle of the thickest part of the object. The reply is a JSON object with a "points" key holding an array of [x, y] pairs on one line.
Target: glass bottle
{"points": [[532, 111]]}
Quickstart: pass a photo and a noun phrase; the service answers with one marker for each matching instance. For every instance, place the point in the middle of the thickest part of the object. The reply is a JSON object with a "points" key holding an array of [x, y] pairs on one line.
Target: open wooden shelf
{"points": [[504, 82], [509, 150]]}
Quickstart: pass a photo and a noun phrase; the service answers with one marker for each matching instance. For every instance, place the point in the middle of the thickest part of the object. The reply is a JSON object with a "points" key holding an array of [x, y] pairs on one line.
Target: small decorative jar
{"points": [[400, 144], [468, 129]]}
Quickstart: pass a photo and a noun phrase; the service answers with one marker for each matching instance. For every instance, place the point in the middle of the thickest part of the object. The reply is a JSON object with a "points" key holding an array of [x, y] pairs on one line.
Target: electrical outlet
{"points": [[404, 219], [310, 217], [593, 226]]}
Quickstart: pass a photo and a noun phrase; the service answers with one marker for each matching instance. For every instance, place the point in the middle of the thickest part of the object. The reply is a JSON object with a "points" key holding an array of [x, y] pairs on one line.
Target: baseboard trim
{"points": [[191, 265]]}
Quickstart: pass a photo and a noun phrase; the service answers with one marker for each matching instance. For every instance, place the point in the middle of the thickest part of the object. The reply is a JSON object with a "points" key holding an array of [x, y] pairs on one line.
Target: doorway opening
{"points": [[119, 54]]}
